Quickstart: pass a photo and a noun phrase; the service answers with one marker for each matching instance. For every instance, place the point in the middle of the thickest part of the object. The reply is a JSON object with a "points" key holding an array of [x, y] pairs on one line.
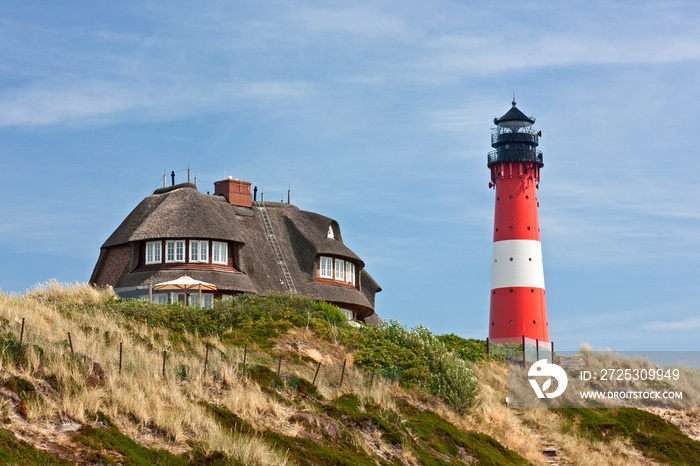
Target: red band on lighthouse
{"points": [[518, 306]]}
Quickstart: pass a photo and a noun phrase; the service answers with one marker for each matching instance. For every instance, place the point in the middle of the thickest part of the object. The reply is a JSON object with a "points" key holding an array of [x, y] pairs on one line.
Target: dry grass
{"points": [[167, 412], [156, 412]]}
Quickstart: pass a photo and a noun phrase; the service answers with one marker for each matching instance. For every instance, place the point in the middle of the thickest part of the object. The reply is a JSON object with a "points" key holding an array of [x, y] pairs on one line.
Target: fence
{"points": [[102, 356], [524, 349]]}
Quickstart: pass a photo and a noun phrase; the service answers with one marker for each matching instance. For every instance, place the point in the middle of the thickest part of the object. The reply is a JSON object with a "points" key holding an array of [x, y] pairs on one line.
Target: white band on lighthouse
{"points": [[517, 262]]}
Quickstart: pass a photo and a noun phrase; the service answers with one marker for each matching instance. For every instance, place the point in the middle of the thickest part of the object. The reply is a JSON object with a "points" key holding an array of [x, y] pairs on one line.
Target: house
{"points": [[237, 243]]}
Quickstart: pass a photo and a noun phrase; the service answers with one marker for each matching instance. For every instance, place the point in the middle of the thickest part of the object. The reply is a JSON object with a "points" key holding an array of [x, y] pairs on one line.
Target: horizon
{"points": [[379, 116]]}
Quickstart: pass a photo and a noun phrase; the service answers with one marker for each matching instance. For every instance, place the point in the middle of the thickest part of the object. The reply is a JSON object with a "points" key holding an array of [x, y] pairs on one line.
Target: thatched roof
{"points": [[178, 212], [181, 211]]}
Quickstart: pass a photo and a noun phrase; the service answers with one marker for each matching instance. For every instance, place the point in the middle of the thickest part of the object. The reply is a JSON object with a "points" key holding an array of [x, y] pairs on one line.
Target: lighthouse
{"points": [[518, 306]]}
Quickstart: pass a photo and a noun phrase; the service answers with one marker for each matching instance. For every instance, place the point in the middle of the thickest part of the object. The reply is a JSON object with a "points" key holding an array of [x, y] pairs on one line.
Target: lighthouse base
{"points": [[517, 312]]}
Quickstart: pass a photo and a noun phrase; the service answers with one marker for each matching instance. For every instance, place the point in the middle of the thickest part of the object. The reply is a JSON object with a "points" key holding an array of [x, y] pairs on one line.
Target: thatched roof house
{"points": [[225, 239]]}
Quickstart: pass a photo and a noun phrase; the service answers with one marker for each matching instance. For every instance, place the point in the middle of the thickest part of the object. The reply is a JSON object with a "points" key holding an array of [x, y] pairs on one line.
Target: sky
{"points": [[377, 114]]}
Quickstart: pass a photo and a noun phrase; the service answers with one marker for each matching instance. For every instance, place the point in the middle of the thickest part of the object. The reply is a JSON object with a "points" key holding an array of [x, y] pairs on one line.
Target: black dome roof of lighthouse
{"points": [[513, 115]]}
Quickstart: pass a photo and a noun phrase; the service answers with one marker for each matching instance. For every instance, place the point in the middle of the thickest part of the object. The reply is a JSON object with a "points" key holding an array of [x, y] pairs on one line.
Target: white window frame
{"points": [[154, 252], [325, 269], [330, 234], [175, 250], [219, 252], [207, 299], [340, 270], [350, 273], [199, 251]]}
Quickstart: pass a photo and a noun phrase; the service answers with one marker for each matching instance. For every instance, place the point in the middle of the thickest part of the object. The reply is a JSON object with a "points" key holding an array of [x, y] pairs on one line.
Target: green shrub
{"points": [[449, 377], [330, 312], [468, 349]]}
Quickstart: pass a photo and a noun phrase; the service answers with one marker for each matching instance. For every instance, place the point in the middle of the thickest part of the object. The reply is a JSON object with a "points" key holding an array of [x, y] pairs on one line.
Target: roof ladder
{"points": [[270, 233]]}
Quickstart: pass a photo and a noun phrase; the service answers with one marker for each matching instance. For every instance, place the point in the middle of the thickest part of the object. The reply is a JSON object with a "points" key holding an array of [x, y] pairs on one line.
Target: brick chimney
{"points": [[236, 192]]}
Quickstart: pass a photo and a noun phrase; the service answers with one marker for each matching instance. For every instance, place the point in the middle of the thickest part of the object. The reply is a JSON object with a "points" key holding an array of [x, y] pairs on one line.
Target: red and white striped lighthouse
{"points": [[518, 306]]}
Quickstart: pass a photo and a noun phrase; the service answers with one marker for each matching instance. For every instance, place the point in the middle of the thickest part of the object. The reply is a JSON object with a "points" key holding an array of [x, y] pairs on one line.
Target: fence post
{"points": [[524, 359], [120, 357], [206, 360], [488, 349], [21, 335], [552, 343], [537, 348], [371, 381], [317, 369], [70, 343], [342, 374], [279, 366], [245, 355], [164, 354]]}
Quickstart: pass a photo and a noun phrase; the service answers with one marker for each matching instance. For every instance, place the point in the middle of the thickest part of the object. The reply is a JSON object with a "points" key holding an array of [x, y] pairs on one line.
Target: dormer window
{"points": [[154, 251], [219, 252], [175, 250], [337, 269], [330, 235], [199, 251], [340, 270], [326, 269]]}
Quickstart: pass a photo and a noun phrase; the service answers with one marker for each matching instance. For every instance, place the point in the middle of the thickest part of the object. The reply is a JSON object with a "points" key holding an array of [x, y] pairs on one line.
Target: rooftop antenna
{"points": [[188, 172], [164, 178], [172, 174]]}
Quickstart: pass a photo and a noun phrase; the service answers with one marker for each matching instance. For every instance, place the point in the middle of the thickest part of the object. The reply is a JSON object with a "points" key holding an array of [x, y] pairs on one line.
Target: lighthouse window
{"points": [[511, 322]]}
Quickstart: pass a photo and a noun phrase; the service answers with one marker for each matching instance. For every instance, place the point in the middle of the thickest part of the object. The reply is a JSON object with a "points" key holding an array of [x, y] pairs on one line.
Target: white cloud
{"points": [[690, 323]]}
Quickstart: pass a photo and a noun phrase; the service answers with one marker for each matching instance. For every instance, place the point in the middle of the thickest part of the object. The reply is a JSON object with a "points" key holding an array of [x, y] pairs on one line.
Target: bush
{"points": [[468, 349], [418, 358]]}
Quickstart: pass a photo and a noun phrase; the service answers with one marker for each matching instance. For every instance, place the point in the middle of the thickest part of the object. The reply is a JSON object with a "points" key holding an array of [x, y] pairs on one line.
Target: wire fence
{"points": [[101, 355], [523, 349]]}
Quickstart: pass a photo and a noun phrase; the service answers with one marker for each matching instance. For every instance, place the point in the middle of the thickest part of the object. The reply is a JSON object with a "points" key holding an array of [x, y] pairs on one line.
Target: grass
{"points": [[221, 416], [656, 438], [18, 452]]}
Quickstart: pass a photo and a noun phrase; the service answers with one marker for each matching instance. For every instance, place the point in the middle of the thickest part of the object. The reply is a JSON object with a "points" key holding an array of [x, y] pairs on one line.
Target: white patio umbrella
{"points": [[186, 284]]}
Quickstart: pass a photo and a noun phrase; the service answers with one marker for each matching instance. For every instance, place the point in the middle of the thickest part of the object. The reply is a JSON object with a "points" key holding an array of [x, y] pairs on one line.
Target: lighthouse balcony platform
{"points": [[500, 137], [515, 155]]}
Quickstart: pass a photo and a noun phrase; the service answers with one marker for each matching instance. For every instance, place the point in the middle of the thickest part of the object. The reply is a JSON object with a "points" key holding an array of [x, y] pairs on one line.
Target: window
{"points": [[153, 252], [219, 252], [326, 270], [199, 251], [330, 232], [175, 251], [340, 270], [350, 273], [207, 299]]}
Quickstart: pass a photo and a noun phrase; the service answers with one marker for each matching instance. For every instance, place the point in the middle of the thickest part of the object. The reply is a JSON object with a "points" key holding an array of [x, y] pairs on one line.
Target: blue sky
{"points": [[377, 114]]}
